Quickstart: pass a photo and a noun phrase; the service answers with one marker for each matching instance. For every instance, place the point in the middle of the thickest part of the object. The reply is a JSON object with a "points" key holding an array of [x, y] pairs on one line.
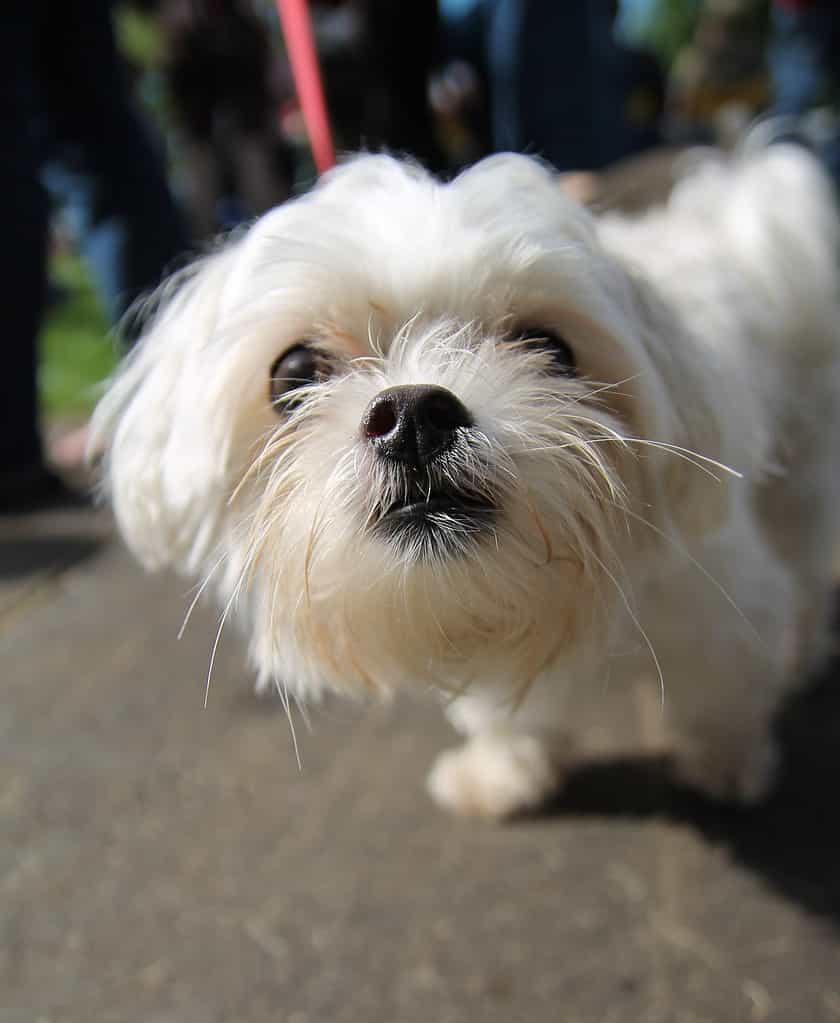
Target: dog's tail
{"points": [[777, 210]]}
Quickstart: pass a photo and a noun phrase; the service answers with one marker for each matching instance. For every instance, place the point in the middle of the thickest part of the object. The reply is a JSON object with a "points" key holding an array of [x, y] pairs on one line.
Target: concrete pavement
{"points": [[163, 863]]}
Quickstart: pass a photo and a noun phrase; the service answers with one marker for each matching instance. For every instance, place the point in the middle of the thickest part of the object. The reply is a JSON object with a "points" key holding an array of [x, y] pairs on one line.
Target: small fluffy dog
{"points": [[467, 437]]}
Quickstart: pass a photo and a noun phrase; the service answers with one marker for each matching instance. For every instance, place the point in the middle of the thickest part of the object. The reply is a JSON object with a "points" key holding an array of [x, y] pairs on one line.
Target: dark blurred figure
{"points": [[218, 72], [459, 90], [401, 48], [558, 83], [553, 84], [719, 81], [642, 84], [805, 69], [377, 57], [67, 116]]}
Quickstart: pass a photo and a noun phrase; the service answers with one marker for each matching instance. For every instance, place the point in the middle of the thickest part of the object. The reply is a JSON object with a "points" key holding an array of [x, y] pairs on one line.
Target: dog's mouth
{"points": [[436, 504], [437, 522]]}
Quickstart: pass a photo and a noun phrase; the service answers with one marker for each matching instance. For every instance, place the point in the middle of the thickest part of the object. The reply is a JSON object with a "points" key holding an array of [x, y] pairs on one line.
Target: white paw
{"points": [[745, 775], [494, 776]]}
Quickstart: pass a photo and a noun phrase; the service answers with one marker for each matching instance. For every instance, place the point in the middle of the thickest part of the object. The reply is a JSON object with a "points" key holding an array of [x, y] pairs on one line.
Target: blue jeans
{"points": [[555, 77], [70, 126], [805, 68]]}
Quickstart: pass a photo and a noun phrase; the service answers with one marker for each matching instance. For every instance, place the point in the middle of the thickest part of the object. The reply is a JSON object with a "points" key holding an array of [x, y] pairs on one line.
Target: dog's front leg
{"points": [[511, 761]]}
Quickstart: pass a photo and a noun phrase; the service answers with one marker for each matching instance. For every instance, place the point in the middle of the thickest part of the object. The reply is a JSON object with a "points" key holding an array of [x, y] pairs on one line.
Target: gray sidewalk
{"points": [[162, 862]]}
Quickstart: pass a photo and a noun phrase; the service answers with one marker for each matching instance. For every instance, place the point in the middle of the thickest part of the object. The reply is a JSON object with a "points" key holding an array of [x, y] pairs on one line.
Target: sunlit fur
{"points": [[667, 509]]}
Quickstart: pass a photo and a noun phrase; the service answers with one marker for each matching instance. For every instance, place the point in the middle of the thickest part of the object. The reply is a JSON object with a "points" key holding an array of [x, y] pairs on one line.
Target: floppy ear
{"points": [[165, 441]]}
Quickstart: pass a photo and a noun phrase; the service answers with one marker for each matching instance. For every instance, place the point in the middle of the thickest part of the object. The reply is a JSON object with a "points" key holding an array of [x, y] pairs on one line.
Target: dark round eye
{"points": [[548, 341], [299, 366]]}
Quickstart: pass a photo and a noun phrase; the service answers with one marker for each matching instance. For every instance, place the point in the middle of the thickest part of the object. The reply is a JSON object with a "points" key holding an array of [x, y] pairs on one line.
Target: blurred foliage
{"points": [[668, 26], [77, 352], [138, 36]]}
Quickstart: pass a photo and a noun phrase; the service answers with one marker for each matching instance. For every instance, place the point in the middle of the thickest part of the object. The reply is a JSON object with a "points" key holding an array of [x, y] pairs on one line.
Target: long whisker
{"points": [[673, 451], [692, 457], [700, 568], [676, 449], [198, 594], [666, 446], [634, 618], [233, 597], [602, 388], [274, 443], [283, 693], [213, 652]]}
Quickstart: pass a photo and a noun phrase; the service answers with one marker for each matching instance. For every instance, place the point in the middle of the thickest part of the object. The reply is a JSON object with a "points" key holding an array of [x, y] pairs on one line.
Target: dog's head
{"points": [[410, 427]]}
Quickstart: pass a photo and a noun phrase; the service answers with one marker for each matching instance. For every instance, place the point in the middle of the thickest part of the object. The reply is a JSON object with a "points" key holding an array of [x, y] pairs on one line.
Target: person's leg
{"points": [[201, 185], [105, 166], [23, 253], [402, 46], [259, 184], [539, 58], [804, 58], [555, 83], [505, 28], [797, 57]]}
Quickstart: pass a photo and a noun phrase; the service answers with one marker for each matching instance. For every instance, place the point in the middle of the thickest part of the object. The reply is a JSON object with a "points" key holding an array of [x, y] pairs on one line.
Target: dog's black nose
{"points": [[413, 424]]}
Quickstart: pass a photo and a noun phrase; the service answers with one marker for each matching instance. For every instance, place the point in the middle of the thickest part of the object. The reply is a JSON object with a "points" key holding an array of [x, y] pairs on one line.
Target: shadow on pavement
{"points": [[35, 555], [792, 840]]}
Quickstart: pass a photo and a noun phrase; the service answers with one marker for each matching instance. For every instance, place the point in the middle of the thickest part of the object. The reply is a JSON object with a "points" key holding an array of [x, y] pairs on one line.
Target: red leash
{"points": [[300, 46]]}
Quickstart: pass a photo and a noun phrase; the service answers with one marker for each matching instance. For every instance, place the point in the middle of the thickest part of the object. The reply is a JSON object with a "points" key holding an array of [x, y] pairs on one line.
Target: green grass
{"points": [[76, 351]]}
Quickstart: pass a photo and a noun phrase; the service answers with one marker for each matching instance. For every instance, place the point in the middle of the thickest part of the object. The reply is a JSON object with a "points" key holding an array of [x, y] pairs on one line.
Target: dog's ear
{"points": [[164, 439]]}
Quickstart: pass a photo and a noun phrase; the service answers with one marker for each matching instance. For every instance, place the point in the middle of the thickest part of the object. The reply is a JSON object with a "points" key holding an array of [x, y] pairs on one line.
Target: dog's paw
{"points": [[494, 776], [743, 776]]}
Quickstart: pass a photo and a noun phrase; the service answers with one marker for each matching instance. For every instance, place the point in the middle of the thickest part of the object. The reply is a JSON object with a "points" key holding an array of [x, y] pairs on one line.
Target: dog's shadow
{"points": [[793, 839], [22, 557]]}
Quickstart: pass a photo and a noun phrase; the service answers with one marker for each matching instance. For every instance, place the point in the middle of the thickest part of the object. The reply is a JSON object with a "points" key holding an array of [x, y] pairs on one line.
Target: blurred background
{"points": [[585, 85], [167, 864]]}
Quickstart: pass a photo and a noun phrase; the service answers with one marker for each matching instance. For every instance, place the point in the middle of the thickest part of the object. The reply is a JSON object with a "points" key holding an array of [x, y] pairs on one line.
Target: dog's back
{"points": [[748, 248]]}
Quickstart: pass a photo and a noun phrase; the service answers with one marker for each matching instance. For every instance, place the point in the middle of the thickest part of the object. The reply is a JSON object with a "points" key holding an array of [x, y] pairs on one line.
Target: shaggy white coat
{"points": [[669, 510]]}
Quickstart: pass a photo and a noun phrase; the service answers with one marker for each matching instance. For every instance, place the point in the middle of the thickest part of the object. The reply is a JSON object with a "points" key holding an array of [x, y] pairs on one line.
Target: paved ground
{"points": [[166, 864]]}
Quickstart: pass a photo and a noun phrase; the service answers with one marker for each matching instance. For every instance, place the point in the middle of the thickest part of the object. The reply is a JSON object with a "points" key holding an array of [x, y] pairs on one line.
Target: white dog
{"points": [[466, 437]]}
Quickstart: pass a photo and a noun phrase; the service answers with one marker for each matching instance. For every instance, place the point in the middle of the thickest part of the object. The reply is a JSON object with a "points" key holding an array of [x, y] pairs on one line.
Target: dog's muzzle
{"points": [[415, 430]]}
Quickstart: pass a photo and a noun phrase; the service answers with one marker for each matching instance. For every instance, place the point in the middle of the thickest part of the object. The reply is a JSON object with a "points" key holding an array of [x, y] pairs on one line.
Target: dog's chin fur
{"points": [[668, 505]]}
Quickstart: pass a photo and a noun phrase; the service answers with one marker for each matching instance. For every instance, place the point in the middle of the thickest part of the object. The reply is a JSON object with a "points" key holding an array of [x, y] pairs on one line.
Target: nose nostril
{"points": [[444, 412], [413, 424], [380, 420]]}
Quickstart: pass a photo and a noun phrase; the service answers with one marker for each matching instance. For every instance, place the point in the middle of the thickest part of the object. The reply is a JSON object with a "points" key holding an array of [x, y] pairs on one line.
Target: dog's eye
{"points": [[541, 339], [299, 366]]}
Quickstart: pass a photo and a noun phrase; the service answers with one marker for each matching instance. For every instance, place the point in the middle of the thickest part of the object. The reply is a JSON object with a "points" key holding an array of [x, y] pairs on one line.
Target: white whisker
{"points": [[692, 457], [233, 597], [212, 663], [635, 619], [283, 693], [603, 388], [700, 568], [198, 594]]}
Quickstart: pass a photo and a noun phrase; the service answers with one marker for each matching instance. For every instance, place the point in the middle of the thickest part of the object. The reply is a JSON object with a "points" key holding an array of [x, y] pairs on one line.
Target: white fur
{"points": [[707, 340]]}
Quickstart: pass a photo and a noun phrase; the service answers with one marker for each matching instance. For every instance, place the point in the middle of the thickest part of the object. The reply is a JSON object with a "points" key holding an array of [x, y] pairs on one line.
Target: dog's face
{"points": [[403, 425]]}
